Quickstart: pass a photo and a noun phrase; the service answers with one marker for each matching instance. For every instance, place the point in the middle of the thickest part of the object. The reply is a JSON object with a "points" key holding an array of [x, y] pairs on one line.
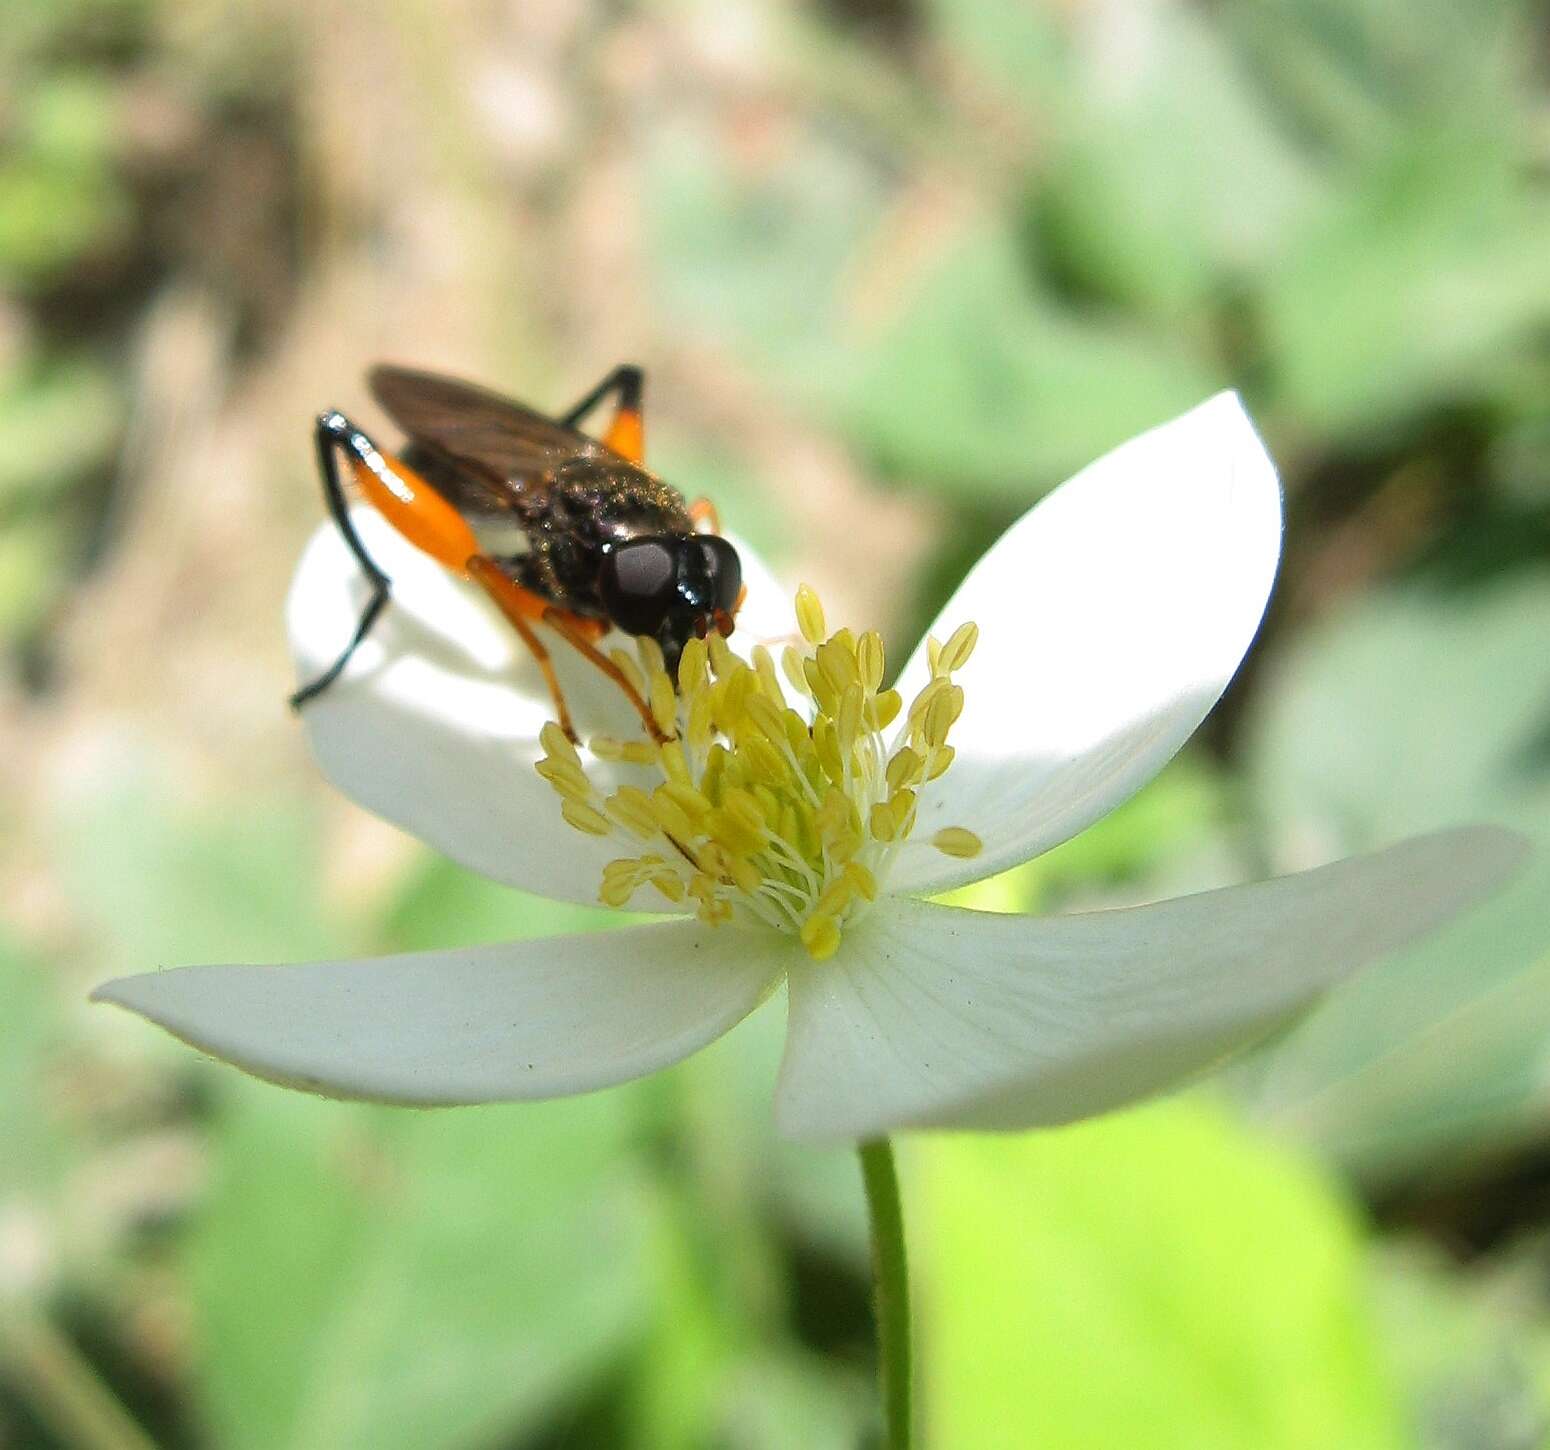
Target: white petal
{"points": [[533, 1019], [434, 725], [1111, 616], [936, 1016]]}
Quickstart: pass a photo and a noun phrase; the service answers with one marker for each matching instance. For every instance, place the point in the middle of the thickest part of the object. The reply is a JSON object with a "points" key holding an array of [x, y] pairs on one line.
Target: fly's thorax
{"points": [[590, 505], [760, 810]]}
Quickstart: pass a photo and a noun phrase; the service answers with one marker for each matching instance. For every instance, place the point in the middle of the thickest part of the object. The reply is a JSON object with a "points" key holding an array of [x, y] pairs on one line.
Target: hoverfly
{"points": [[558, 528]]}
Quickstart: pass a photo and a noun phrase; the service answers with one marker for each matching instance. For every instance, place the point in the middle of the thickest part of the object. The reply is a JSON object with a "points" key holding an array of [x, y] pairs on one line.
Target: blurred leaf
{"points": [[377, 1279], [1159, 1279], [35, 1142], [1472, 1345], [56, 424], [1174, 176], [163, 885], [33, 554], [1413, 288], [976, 383], [1411, 711], [1021, 52], [1358, 75], [738, 240], [59, 196]]}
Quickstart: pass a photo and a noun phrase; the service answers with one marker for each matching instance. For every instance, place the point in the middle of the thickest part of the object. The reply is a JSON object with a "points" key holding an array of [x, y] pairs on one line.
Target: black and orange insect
{"points": [[558, 528]]}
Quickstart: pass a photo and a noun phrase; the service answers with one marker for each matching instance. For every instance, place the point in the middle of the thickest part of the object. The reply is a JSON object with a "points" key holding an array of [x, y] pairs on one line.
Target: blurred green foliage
{"points": [[977, 243], [1211, 1284]]}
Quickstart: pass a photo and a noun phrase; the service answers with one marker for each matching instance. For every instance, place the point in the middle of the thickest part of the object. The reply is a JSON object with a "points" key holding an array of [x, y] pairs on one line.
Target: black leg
{"points": [[333, 432], [627, 380]]}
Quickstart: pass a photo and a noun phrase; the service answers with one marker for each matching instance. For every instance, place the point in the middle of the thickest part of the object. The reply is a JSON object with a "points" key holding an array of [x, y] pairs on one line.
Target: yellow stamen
{"points": [[956, 841], [809, 615], [760, 811]]}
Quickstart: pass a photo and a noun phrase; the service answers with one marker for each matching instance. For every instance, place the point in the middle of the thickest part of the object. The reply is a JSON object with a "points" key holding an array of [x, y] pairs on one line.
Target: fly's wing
{"points": [[499, 448]]}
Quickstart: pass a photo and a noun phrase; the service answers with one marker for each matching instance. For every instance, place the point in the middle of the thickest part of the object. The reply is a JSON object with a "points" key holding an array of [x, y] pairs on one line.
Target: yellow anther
{"points": [[885, 709], [650, 652], [631, 807], [837, 661], [818, 686], [848, 722], [734, 832], [735, 688], [745, 875], [664, 703], [836, 897], [809, 615], [870, 659], [671, 816], [766, 761], [669, 885], [700, 726], [933, 653], [881, 823], [748, 809], [721, 657], [616, 892], [791, 664], [956, 841], [769, 681], [767, 716], [564, 775], [821, 936], [836, 815], [826, 745], [686, 798], [906, 768], [943, 712], [940, 760], [862, 879], [960, 645], [928, 697], [693, 667], [557, 744], [627, 667], [799, 737], [903, 807], [585, 818], [670, 756], [711, 781], [605, 747]]}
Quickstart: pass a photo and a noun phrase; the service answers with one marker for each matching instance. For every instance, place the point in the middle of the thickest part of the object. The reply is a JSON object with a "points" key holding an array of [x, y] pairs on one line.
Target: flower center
{"points": [[757, 810]]}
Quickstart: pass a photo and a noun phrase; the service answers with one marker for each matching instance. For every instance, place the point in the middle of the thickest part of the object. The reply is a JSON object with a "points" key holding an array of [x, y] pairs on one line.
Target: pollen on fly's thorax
{"points": [[756, 810]]}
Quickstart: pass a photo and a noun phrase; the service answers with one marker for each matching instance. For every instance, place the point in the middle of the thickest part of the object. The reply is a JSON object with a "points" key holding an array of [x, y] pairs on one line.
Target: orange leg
{"points": [[626, 435], [573, 628], [524, 608], [703, 515], [520, 607]]}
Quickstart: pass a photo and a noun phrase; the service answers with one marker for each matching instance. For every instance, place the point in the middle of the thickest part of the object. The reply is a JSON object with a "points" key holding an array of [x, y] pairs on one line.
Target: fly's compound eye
{"points": [[638, 584], [725, 570]]}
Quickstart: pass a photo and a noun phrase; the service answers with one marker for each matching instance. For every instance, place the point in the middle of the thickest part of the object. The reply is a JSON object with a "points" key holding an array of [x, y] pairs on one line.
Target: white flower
{"points": [[1111, 617]]}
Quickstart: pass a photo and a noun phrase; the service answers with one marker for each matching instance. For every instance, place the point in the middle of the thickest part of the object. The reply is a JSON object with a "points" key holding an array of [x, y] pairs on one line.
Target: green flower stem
{"points": [[891, 1292], [63, 1388]]}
